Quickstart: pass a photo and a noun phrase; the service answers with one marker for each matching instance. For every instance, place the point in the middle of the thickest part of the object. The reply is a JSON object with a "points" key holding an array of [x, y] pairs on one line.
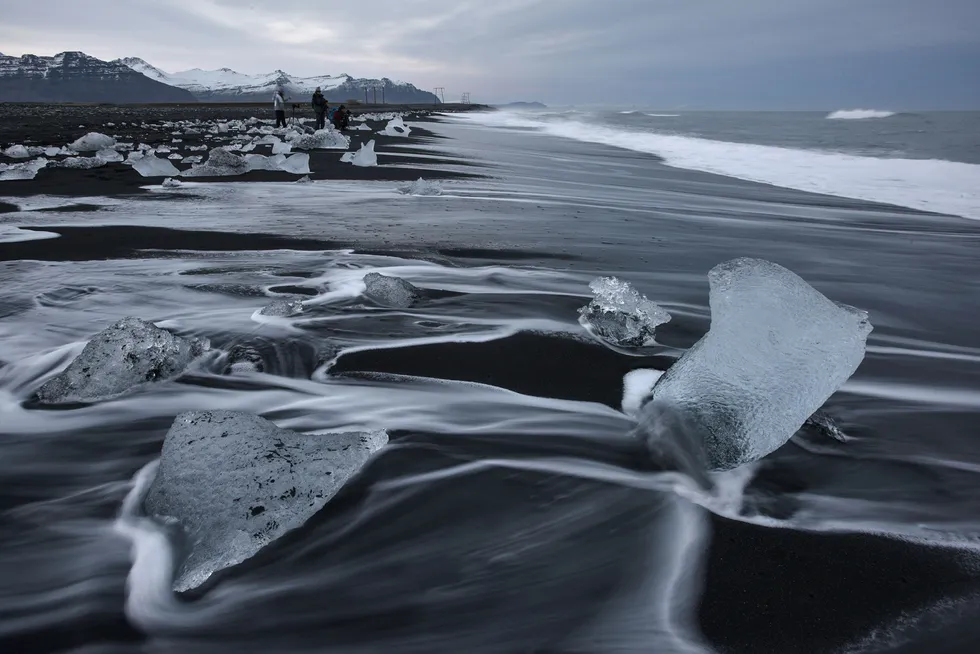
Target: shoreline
{"points": [[398, 160]]}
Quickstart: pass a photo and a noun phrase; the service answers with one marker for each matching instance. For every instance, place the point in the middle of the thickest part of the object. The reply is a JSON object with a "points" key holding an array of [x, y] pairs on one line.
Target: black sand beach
{"points": [[506, 559]]}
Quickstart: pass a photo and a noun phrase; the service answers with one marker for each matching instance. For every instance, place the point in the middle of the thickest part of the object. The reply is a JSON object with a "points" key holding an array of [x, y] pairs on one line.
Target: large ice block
{"points": [[776, 350]]}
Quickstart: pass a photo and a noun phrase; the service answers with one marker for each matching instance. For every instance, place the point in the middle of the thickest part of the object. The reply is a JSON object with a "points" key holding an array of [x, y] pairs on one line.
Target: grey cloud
{"points": [[501, 49]]}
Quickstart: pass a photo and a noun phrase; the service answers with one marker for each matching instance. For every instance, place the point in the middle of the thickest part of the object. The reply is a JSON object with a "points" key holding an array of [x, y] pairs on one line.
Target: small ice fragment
{"points": [[390, 291], [283, 308], [322, 139], [620, 315], [170, 182], [365, 156], [150, 165], [823, 424], [421, 187], [92, 142], [396, 127], [25, 170], [305, 179], [298, 164], [776, 350], [109, 155], [17, 152], [347, 157], [220, 163], [281, 148]]}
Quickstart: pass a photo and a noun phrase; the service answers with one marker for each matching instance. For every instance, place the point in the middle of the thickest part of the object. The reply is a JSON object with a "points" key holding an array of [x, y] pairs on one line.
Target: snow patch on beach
{"points": [[934, 185], [858, 114]]}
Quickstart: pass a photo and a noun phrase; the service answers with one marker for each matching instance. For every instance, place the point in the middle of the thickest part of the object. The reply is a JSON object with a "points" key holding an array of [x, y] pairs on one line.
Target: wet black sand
{"points": [[765, 589]]}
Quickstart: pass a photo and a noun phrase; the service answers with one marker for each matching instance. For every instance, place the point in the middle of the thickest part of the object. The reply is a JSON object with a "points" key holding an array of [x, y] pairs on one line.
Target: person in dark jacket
{"points": [[319, 108]]}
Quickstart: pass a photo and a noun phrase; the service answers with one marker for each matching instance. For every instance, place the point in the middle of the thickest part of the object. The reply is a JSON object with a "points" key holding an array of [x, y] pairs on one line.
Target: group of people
{"points": [[339, 117]]}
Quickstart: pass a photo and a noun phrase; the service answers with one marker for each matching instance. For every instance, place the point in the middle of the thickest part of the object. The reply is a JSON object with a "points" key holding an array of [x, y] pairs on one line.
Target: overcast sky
{"points": [[668, 53]]}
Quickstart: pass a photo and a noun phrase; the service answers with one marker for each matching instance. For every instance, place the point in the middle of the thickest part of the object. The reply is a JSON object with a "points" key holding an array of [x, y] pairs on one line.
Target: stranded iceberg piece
{"points": [[128, 353], [390, 291], [776, 350], [364, 157], [92, 142], [421, 187], [236, 482], [619, 315], [150, 165], [220, 163], [322, 139]]}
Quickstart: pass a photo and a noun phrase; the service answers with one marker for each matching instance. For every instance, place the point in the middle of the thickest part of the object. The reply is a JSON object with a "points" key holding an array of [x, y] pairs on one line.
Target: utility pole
{"points": [[365, 95], [383, 95], [375, 89]]}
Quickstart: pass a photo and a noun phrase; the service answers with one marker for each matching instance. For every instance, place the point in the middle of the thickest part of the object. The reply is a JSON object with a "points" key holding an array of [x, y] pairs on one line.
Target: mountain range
{"points": [[78, 77]]}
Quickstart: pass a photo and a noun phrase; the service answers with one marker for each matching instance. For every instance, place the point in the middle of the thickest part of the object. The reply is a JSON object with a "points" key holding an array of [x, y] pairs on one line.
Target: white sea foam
{"points": [[858, 114], [938, 186]]}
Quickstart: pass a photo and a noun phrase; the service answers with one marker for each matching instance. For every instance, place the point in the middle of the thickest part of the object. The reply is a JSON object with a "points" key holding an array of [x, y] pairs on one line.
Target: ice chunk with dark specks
{"points": [[220, 163], [390, 291], [283, 308], [620, 315], [170, 182], [237, 482], [776, 350], [126, 354]]}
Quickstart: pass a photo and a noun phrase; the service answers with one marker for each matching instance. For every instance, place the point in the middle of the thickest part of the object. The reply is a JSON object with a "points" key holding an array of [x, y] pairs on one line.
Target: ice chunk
{"points": [[322, 139], [83, 163], [776, 350], [361, 128], [237, 482], [262, 162], [92, 142], [109, 155], [347, 157], [171, 183], [127, 353], [390, 291], [150, 165], [283, 308], [620, 315], [298, 164], [220, 163], [25, 170], [281, 148], [17, 152], [421, 187], [365, 156], [305, 179], [176, 157], [192, 159], [396, 127]]}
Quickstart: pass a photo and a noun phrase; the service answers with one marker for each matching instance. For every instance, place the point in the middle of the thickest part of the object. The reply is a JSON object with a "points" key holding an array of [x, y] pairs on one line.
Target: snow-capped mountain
{"points": [[226, 85], [78, 77]]}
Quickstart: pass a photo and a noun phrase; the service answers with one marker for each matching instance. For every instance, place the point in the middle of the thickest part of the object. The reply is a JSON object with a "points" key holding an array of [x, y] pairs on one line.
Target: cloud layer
{"points": [[663, 52]]}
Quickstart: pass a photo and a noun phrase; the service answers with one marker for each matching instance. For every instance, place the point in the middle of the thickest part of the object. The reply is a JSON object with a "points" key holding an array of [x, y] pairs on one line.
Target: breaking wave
{"points": [[931, 185], [858, 114]]}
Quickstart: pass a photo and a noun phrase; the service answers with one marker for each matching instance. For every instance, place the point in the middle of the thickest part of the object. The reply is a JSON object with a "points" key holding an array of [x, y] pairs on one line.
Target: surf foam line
{"points": [[931, 185]]}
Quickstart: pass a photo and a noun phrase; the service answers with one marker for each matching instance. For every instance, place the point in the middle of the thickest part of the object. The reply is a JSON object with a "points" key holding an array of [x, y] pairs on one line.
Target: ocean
{"points": [[511, 511]]}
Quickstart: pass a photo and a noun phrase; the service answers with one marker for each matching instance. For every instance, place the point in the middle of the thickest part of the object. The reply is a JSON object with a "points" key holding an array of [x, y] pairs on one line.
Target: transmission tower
{"points": [[466, 98], [440, 92]]}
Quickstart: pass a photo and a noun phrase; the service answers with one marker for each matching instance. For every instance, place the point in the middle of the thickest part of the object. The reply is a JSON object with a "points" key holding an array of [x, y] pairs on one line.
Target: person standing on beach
{"points": [[279, 104], [319, 108]]}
